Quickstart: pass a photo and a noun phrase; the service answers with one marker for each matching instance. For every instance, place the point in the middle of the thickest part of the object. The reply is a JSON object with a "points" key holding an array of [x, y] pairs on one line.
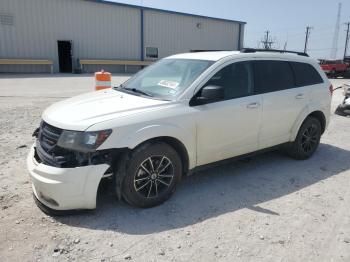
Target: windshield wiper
{"points": [[138, 91], [121, 86]]}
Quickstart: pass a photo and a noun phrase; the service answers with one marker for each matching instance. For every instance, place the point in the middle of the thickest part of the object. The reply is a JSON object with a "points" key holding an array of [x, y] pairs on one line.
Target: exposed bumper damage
{"points": [[344, 108], [65, 188]]}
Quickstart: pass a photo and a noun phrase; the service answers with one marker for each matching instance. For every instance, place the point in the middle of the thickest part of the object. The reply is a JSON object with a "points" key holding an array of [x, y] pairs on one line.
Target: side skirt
{"points": [[236, 158]]}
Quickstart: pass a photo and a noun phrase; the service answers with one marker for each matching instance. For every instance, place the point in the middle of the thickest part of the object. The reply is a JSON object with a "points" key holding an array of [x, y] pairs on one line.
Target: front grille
{"points": [[47, 149], [48, 136], [49, 153]]}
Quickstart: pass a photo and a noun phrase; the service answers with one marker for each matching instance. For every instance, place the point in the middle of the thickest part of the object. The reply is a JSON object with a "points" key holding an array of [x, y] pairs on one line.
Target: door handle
{"points": [[299, 96], [253, 105]]}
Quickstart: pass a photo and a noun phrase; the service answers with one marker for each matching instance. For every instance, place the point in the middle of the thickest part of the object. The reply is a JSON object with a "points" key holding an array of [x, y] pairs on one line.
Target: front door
{"points": [[229, 127], [65, 56]]}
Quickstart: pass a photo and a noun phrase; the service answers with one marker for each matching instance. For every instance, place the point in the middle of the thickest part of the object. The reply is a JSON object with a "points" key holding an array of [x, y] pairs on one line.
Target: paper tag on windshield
{"points": [[169, 84]]}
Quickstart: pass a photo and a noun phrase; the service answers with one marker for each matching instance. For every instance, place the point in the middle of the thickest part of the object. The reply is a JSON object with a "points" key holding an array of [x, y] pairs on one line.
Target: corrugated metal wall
{"points": [[181, 33], [103, 31], [97, 31]]}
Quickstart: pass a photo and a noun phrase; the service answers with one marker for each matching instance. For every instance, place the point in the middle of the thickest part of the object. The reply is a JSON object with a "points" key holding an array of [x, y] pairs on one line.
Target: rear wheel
{"points": [[152, 174], [307, 140]]}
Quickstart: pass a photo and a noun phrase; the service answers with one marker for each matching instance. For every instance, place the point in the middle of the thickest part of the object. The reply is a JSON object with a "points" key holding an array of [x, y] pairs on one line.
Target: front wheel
{"points": [[307, 140], [152, 173]]}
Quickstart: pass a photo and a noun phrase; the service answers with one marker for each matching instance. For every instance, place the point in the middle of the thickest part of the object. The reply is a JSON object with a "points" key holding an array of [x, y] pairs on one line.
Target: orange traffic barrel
{"points": [[103, 80]]}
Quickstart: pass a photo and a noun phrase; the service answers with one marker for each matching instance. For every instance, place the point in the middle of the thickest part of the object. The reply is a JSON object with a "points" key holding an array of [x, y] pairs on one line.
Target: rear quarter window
{"points": [[305, 74], [272, 75]]}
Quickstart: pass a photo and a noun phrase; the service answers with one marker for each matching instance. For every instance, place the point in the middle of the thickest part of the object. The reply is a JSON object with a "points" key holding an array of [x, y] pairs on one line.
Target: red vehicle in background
{"points": [[333, 68]]}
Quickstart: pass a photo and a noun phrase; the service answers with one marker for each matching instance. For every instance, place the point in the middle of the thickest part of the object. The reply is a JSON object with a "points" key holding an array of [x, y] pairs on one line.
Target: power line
{"points": [[296, 34]]}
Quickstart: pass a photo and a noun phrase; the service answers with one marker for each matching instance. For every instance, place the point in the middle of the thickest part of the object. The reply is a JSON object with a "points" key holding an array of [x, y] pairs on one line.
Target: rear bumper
{"points": [[65, 188]]}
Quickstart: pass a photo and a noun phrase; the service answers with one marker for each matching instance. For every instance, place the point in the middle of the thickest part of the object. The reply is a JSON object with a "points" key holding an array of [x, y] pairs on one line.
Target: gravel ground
{"points": [[267, 208]]}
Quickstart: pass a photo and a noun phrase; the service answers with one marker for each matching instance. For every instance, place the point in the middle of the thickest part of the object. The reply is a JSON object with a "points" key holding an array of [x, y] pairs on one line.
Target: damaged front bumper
{"points": [[343, 109], [65, 188]]}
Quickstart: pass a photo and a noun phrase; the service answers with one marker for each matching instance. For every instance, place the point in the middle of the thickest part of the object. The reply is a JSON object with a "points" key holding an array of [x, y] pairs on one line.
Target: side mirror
{"points": [[210, 94]]}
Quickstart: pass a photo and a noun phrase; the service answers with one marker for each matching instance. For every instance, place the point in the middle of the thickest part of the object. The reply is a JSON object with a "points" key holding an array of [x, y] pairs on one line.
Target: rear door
{"points": [[308, 78], [282, 100]]}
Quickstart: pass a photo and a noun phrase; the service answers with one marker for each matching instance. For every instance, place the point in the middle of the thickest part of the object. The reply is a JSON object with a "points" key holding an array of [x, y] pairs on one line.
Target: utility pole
{"points": [[267, 46], [267, 42], [346, 39], [334, 49], [307, 35]]}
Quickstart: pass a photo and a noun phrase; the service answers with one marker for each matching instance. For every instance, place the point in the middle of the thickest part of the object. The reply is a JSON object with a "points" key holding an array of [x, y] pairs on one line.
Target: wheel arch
{"points": [[120, 163], [177, 145], [319, 115]]}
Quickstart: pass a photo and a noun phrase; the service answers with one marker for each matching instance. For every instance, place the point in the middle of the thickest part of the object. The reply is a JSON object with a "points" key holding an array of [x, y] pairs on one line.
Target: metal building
{"points": [[68, 31]]}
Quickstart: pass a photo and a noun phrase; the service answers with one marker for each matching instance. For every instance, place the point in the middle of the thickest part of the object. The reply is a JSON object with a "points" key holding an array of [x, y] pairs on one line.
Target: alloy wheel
{"points": [[153, 176], [309, 138]]}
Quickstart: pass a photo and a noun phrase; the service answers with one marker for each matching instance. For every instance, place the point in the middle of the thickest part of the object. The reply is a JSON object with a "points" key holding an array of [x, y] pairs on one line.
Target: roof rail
{"points": [[254, 50], [209, 50]]}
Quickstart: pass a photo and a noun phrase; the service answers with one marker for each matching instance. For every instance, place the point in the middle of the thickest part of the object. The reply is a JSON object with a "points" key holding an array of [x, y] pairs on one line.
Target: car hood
{"points": [[81, 112]]}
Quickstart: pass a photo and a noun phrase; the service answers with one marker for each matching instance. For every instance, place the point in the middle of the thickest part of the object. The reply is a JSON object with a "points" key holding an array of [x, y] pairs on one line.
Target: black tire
{"points": [[146, 184], [333, 74], [307, 140]]}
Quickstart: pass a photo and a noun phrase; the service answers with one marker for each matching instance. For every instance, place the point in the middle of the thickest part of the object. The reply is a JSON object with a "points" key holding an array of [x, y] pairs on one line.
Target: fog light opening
{"points": [[48, 199]]}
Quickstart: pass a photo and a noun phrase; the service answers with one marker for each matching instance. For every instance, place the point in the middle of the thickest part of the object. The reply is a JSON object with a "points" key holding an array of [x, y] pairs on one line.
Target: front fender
{"points": [[135, 136]]}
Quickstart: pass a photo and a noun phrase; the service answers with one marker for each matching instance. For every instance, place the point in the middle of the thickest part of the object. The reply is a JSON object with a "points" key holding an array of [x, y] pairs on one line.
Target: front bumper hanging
{"points": [[60, 189]]}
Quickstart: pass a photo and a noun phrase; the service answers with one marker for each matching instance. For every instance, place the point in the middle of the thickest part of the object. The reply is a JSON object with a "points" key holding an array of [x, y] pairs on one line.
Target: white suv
{"points": [[182, 112]]}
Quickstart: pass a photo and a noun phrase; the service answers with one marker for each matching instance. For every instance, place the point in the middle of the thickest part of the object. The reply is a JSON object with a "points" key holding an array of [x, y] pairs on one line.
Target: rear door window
{"points": [[305, 74], [272, 76]]}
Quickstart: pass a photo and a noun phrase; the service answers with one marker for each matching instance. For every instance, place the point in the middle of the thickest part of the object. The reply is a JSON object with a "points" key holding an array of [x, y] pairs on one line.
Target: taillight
{"points": [[331, 89]]}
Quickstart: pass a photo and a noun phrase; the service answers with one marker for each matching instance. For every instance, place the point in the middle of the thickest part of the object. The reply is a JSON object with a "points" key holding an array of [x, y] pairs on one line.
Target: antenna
{"points": [[334, 49]]}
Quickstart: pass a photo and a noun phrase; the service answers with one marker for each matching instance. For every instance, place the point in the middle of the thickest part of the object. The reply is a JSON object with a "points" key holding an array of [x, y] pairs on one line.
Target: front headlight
{"points": [[83, 141]]}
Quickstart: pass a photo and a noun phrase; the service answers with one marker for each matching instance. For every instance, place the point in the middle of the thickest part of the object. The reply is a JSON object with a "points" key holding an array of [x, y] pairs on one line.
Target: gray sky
{"points": [[286, 20]]}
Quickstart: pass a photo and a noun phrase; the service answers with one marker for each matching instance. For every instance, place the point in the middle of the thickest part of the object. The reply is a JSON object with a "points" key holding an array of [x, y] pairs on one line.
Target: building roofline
{"points": [[164, 11]]}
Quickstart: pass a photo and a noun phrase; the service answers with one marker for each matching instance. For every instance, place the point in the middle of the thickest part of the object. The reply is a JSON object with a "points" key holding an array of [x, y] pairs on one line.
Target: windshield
{"points": [[167, 78]]}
